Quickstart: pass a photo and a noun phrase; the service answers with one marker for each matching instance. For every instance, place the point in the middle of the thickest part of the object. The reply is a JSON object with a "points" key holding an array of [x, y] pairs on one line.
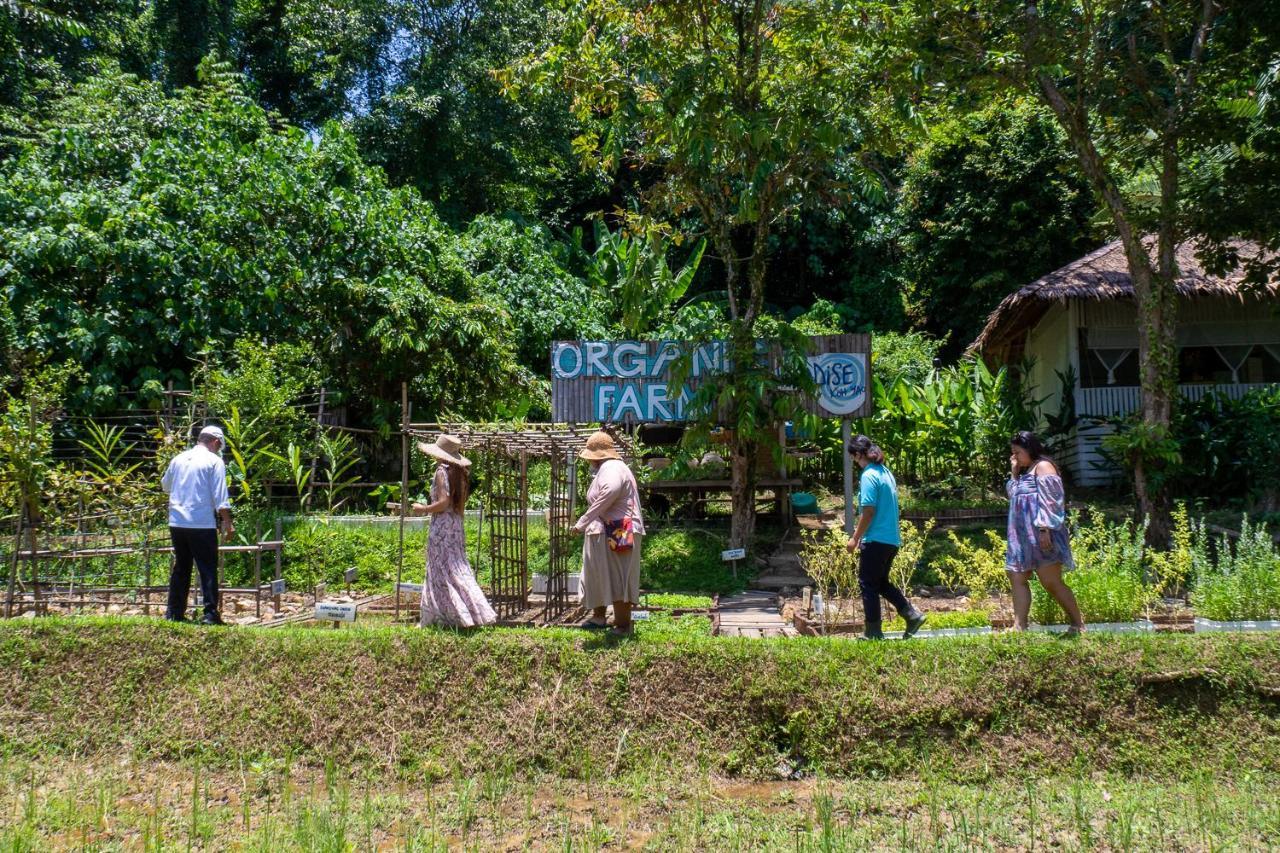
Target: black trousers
{"points": [[198, 544], [873, 581]]}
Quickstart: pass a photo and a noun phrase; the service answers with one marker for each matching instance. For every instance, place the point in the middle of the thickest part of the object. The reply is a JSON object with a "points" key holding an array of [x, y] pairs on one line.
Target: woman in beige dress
{"points": [[609, 575]]}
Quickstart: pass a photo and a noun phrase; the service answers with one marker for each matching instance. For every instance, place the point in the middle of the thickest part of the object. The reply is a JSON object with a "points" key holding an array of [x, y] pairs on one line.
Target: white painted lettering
{"points": [[628, 359], [596, 351], [570, 368]]}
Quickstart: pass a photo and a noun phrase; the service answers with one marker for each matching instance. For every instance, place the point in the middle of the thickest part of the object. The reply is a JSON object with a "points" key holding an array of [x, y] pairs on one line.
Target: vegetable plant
{"points": [[1245, 581]]}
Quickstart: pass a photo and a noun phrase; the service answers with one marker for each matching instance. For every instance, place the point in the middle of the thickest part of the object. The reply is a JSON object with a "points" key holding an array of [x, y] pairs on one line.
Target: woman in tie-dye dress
{"points": [[450, 594], [1038, 539]]}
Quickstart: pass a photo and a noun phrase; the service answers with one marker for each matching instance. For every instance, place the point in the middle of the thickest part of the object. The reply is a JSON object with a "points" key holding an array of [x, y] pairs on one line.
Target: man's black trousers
{"points": [[198, 545]]}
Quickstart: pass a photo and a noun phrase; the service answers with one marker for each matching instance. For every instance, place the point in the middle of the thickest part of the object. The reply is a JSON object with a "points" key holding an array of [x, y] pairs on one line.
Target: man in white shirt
{"points": [[196, 482]]}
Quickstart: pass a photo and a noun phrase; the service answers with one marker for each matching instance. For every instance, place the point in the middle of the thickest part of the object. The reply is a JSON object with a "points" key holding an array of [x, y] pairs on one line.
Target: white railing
{"points": [[1111, 400]]}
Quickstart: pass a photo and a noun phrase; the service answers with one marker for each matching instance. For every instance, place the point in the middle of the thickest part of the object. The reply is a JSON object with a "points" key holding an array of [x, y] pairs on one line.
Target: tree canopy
{"points": [[141, 230]]}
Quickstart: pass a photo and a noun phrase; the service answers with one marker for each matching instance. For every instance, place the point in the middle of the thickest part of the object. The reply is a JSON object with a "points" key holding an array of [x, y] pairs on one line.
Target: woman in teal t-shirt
{"points": [[878, 539]]}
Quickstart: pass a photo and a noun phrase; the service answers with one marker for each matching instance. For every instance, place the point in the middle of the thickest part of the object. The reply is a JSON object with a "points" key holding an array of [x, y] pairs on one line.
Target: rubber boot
{"points": [[873, 632], [914, 619]]}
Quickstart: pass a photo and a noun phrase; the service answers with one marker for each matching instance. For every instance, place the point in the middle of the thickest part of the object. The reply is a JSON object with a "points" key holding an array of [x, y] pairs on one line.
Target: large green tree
{"points": [[521, 266], [46, 45], [990, 201], [1136, 89], [741, 110], [139, 229], [442, 124]]}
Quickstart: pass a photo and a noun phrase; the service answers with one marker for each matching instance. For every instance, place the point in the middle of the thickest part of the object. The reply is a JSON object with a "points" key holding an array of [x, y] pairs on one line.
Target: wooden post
{"points": [[169, 407], [846, 435], [33, 546], [783, 492], [311, 483], [17, 546], [146, 567], [524, 540], [257, 568], [279, 561], [404, 485]]}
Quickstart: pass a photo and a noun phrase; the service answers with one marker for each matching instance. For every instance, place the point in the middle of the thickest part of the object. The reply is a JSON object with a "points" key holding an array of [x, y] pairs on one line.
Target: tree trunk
{"points": [[742, 489], [1157, 355], [1154, 294]]}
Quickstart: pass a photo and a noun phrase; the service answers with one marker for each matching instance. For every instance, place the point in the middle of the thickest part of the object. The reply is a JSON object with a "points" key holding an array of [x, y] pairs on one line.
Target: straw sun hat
{"points": [[599, 447], [448, 448]]}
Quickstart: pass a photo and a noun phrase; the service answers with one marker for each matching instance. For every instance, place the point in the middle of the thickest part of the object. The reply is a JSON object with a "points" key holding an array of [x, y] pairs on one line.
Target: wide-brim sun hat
{"points": [[599, 447], [447, 448]]}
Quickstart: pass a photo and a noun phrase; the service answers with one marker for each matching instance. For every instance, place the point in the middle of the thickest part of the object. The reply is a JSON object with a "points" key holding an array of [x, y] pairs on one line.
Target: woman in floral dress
{"points": [[1038, 539], [450, 594]]}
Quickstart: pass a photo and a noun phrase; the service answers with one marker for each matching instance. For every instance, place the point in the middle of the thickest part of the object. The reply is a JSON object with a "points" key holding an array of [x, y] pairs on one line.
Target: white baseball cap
{"points": [[212, 431]]}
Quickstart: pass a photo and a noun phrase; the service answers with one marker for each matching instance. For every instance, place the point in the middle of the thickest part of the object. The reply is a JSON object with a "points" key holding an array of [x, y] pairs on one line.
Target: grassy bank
{"points": [[74, 804], [402, 703]]}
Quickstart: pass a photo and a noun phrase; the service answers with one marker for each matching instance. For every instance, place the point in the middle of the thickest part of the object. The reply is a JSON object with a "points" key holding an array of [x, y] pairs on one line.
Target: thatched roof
{"points": [[1100, 275]]}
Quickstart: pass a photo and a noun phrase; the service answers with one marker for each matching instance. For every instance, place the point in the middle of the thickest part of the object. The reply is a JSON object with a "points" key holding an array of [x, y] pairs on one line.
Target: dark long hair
{"points": [[863, 446], [459, 486], [1031, 443]]}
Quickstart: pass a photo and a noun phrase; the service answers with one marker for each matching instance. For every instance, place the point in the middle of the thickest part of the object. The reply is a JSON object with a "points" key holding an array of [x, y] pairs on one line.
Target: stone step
{"points": [[750, 598], [786, 564], [779, 581]]}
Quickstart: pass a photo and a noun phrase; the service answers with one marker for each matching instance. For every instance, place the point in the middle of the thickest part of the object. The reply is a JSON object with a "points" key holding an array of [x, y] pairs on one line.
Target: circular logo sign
{"points": [[841, 378]]}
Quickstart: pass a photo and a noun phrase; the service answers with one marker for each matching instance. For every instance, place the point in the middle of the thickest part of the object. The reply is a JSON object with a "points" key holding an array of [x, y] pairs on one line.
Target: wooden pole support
{"points": [[404, 485]]}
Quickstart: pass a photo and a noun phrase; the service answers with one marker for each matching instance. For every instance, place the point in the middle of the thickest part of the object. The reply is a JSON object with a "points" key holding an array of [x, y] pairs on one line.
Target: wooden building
{"points": [[1078, 328]]}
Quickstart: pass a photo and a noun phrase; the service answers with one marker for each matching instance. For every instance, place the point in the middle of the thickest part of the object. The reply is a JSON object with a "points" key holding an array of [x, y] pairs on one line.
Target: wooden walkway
{"points": [[753, 614]]}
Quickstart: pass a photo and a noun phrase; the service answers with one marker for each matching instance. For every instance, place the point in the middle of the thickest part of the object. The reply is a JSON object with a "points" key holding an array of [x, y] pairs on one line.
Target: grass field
{"points": [[268, 806], [133, 734]]}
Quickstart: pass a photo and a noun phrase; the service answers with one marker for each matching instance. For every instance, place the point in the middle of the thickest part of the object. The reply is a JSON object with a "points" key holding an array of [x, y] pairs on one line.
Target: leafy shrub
{"points": [[315, 552], [956, 423], [903, 355], [1245, 582], [517, 268], [263, 383], [1113, 547], [942, 619], [1103, 596], [686, 561], [1230, 449], [989, 202], [980, 570], [1188, 557], [1109, 582], [826, 558], [910, 553]]}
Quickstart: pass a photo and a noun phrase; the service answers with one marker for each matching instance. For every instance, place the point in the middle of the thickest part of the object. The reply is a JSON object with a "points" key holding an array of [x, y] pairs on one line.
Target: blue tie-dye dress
{"points": [[1036, 502]]}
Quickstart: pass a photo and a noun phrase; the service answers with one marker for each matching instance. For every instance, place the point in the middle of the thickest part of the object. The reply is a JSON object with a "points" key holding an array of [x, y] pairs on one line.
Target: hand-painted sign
{"points": [[630, 381], [334, 611], [841, 378]]}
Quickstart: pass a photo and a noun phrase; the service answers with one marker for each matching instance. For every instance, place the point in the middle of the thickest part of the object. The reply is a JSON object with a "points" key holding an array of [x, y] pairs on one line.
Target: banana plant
{"points": [[634, 268]]}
